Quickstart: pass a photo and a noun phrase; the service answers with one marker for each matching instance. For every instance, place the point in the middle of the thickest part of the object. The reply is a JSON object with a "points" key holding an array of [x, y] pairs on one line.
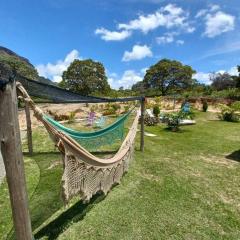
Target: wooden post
{"points": [[13, 160], [142, 124], [29, 128]]}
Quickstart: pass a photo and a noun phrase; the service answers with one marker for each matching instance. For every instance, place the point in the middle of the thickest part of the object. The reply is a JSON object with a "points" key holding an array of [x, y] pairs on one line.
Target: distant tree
{"points": [[121, 88], [138, 87], [221, 81], [168, 75], [237, 78], [85, 77]]}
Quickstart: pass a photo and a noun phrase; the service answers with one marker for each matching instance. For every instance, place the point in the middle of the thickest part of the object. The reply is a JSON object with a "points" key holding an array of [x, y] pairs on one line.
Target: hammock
{"points": [[94, 141], [85, 174]]}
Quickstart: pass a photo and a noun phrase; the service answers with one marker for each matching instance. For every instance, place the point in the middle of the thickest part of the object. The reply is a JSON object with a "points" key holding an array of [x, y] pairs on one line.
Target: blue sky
{"points": [[127, 36]]}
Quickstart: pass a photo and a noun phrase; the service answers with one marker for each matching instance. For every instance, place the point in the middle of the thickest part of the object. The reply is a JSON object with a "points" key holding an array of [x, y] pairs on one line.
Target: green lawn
{"points": [[185, 185]]}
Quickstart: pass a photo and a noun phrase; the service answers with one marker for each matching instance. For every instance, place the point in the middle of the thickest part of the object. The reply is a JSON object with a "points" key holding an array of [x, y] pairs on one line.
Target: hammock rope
{"points": [[85, 174]]}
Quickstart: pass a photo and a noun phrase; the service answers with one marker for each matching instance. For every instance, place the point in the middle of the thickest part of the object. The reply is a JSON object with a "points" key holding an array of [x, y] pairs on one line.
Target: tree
{"points": [[168, 75], [138, 87], [21, 66], [237, 78], [221, 81], [85, 77]]}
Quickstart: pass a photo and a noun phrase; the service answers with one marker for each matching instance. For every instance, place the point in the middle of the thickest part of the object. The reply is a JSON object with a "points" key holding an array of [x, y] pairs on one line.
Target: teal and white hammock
{"points": [[97, 140]]}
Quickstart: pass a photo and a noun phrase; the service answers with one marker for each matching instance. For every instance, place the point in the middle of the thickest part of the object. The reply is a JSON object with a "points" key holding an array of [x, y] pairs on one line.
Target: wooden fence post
{"points": [[12, 156], [142, 124], [29, 128]]}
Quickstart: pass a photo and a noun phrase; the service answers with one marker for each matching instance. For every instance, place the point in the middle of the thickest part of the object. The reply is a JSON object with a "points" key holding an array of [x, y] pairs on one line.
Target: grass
{"points": [[185, 185]]}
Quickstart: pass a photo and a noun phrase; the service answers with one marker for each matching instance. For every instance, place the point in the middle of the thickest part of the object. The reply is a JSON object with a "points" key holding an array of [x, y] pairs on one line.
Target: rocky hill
{"points": [[21, 64]]}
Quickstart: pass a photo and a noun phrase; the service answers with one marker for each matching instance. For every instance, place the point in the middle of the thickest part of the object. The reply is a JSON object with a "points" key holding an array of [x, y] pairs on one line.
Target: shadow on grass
{"points": [[235, 156], [180, 130], [64, 220]]}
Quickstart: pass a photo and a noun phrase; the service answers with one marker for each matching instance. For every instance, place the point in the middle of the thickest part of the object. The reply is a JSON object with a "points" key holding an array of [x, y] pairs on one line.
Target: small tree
{"points": [[204, 105], [156, 110]]}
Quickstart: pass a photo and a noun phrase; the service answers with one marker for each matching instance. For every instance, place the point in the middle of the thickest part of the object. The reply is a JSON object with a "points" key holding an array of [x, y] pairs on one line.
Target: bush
{"points": [[158, 100], [126, 108], [116, 106], [156, 110], [230, 113], [71, 117], [150, 121], [173, 120], [204, 106], [109, 111]]}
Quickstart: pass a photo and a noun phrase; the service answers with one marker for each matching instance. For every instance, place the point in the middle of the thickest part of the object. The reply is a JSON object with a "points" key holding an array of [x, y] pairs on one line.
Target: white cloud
{"points": [[169, 16], [216, 21], [112, 35], [169, 37], [128, 78], [214, 8], [202, 77], [138, 52], [180, 42], [232, 71], [203, 12], [54, 71]]}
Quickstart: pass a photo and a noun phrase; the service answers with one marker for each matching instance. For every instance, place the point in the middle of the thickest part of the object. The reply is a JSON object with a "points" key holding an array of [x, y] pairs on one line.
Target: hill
{"points": [[22, 65]]}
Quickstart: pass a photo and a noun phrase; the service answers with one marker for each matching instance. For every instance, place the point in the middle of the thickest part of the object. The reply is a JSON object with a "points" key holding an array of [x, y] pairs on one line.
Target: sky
{"points": [[127, 36]]}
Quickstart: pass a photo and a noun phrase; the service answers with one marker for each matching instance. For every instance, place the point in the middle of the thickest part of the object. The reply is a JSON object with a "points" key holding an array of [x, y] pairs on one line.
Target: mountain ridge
{"points": [[22, 65]]}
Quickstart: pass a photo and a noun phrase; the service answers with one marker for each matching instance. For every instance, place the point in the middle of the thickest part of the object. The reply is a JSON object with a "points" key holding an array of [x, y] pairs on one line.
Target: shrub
{"points": [[126, 108], [150, 121], [158, 100], [204, 105], [173, 120], [230, 113], [156, 110], [116, 107], [109, 111], [71, 117]]}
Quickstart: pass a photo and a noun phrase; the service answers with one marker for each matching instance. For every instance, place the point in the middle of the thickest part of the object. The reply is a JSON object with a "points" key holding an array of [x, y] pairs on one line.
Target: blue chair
{"points": [[101, 122], [186, 108]]}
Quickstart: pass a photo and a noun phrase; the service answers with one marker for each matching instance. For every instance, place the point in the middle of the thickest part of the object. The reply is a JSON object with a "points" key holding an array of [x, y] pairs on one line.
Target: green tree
{"points": [[237, 78], [85, 77], [168, 75], [138, 87], [221, 81], [22, 67]]}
